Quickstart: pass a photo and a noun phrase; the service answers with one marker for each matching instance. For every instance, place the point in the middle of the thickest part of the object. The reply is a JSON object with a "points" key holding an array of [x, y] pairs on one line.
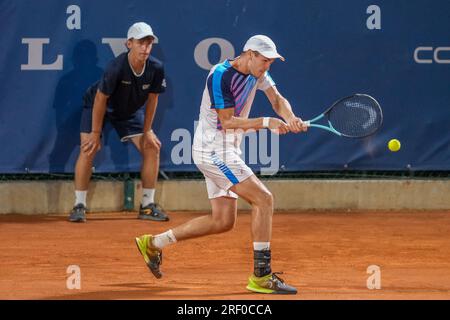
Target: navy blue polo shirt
{"points": [[127, 92]]}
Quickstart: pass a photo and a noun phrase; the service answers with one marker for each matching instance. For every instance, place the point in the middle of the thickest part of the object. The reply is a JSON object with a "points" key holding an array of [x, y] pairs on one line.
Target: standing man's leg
{"points": [[149, 210], [83, 172]]}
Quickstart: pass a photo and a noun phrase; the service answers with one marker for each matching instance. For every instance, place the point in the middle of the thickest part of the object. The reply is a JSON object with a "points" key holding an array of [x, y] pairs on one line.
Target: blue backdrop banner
{"points": [[397, 51]]}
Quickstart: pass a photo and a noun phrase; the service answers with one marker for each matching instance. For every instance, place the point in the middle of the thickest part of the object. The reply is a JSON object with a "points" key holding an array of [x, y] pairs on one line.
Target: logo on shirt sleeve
{"points": [[163, 84]]}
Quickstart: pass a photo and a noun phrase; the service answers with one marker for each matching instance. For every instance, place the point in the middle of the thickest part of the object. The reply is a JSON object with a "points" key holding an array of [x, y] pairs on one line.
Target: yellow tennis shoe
{"points": [[152, 255], [269, 284]]}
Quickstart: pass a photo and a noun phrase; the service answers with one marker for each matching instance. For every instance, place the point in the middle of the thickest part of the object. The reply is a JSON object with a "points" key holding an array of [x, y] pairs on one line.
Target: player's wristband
{"points": [[266, 122]]}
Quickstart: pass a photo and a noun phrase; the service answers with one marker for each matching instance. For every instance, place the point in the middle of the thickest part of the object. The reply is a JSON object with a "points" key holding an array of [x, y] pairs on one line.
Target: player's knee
{"points": [[152, 149], [224, 224], [150, 154], [87, 157], [265, 198], [229, 224]]}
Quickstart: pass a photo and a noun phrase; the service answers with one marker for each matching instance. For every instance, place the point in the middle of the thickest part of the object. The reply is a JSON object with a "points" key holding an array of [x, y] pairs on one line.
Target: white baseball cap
{"points": [[264, 45], [140, 30]]}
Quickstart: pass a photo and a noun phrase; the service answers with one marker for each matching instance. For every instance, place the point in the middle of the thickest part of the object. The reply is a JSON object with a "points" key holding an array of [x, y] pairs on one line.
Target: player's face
{"points": [[140, 48], [259, 64]]}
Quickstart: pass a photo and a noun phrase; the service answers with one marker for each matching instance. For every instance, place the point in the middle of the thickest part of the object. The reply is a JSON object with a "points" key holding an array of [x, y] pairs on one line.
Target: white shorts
{"points": [[222, 170]]}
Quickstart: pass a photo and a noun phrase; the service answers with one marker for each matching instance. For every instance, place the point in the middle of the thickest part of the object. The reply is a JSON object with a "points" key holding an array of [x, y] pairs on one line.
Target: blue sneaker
{"points": [[153, 212], [78, 213]]}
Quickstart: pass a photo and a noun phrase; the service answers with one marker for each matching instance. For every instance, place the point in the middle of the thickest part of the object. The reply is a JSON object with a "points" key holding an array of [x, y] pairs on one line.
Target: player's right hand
{"points": [[149, 139], [278, 126], [92, 143]]}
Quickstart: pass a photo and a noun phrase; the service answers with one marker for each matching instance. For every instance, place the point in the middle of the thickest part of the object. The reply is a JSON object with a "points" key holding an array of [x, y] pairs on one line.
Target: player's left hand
{"points": [[296, 125], [150, 140]]}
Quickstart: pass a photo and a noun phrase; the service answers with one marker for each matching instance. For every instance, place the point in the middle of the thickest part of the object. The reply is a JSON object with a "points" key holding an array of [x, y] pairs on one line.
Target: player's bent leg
{"points": [[261, 200], [224, 214], [222, 219]]}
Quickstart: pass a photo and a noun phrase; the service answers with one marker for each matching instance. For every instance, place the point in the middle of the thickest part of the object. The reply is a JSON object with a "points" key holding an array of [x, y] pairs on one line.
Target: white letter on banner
{"points": [[202, 49], [374, 21], [274, 158], [74, 20], [117, 45], [35, 53], [417, 59], [436, 54]]}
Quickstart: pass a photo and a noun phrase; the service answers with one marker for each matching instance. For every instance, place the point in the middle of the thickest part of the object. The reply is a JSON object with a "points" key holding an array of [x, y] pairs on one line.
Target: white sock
{"points": [[80, 197], [163, 239], [148, 196], [258, 246]]}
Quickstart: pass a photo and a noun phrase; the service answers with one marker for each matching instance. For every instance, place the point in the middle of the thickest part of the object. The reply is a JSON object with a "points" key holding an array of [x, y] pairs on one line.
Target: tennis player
{"points": [[225, 107]]}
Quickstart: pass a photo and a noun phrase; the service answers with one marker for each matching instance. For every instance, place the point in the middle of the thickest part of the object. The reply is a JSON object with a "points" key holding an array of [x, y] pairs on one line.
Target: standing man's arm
{"points": [[158, 86], [283, 108], [150, 110], [92, 143]]}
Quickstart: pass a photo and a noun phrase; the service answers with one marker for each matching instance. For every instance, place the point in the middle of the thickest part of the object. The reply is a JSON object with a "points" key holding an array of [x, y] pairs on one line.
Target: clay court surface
{"points": [[324, 254]]}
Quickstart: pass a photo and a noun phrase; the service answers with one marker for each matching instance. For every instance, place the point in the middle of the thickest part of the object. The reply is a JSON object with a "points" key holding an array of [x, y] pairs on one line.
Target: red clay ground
{"points": [[324, 254]]}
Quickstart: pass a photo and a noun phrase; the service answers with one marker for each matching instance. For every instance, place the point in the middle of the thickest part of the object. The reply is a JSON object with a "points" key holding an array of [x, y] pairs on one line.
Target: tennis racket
{"points": [[356, 116]]}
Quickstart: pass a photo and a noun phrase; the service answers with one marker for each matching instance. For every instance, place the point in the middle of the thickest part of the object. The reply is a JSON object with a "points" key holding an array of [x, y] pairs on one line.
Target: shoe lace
{"points": [[152, 209], [79, 208], [157, 206], [275, 277], [160, 257]]}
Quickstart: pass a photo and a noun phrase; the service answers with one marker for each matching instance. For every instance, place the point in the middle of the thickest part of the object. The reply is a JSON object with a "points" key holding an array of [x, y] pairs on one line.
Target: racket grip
{"points": [[308, 123]]}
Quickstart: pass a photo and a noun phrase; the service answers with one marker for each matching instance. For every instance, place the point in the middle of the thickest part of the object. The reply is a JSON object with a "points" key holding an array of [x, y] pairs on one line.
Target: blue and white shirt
{"points": [[226, 87]]}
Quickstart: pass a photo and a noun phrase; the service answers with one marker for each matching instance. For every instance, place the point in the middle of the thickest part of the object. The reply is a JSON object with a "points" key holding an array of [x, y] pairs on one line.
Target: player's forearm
{"points": [[283, 108], [242, 123], [150, 111]]}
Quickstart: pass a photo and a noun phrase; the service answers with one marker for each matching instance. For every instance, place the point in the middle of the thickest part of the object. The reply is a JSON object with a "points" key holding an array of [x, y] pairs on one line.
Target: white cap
{"points": [[264, 45], [140, 30]]}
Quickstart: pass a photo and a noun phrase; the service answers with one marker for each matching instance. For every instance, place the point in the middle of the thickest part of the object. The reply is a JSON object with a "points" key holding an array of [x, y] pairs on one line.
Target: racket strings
{"points": [[356, 116]]}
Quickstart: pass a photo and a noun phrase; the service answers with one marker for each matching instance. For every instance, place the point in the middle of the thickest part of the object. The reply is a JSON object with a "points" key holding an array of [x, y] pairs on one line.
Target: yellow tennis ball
{"points": [[394, 145]]}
